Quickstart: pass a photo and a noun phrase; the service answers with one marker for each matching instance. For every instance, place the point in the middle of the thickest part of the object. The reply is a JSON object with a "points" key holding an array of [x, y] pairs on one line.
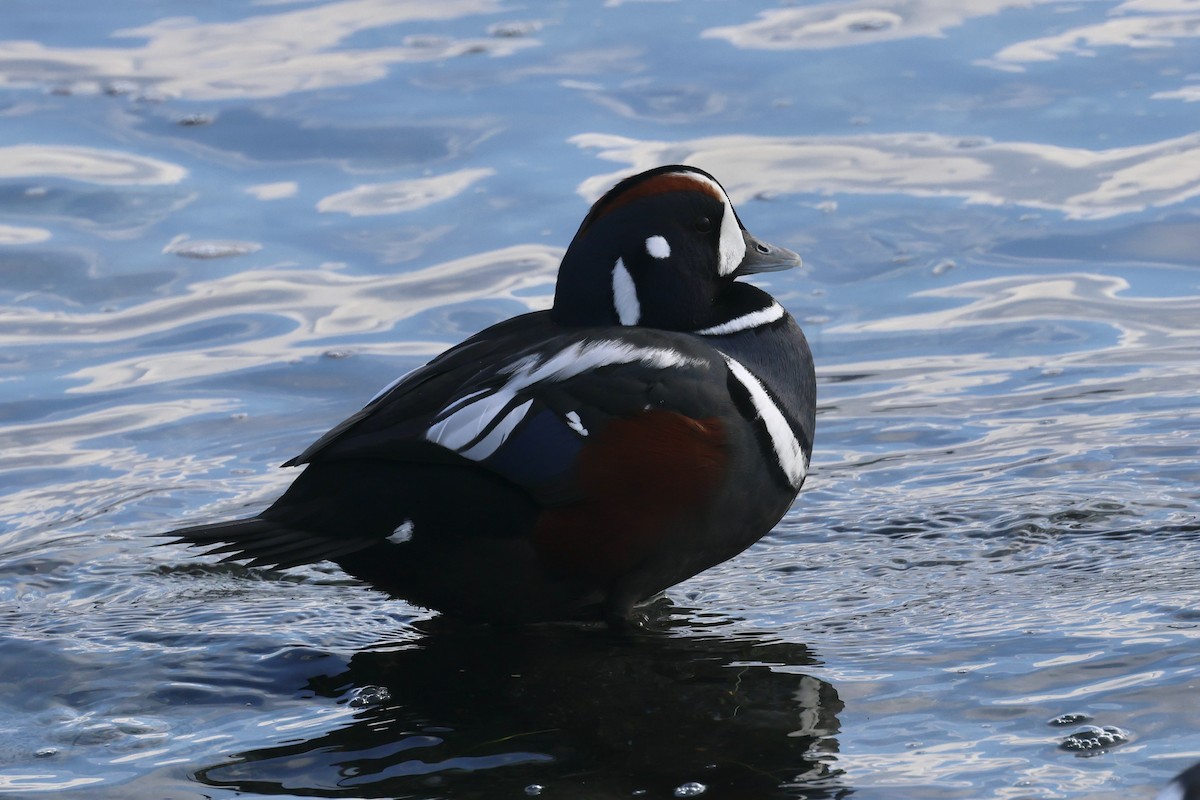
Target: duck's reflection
{"points": [[474, 711]]}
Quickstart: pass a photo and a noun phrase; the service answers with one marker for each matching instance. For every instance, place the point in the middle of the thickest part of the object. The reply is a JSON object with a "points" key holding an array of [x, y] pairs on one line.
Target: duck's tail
{"points": [[262, 542]]}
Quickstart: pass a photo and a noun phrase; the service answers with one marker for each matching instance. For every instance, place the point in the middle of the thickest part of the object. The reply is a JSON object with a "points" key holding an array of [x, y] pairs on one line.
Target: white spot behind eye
{"points": [[625, 299], [658, 247]]}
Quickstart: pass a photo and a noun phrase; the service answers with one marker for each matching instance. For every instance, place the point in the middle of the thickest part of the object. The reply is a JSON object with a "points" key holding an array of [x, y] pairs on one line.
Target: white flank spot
{"points": [[476, 426], [575, 423], [625, 298], [764, 316], [787, 448], [403, 532], [658, 247], [1172, 791]]}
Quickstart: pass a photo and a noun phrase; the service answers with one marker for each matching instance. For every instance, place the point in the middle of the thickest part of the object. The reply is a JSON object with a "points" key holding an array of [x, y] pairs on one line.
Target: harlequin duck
{"points": [[571, 463]]}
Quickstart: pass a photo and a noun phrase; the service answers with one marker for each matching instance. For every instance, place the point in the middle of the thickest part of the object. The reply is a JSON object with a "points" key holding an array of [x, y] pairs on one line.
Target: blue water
{"points": [[224, 226]]}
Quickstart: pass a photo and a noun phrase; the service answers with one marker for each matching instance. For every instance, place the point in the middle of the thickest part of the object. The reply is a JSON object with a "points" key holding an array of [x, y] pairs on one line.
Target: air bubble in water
{"points": [[1095, 738], [1070, 719]]}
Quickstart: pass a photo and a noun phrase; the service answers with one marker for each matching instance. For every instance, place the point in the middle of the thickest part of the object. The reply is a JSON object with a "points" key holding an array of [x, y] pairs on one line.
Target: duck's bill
{"points": [[763, 257]]}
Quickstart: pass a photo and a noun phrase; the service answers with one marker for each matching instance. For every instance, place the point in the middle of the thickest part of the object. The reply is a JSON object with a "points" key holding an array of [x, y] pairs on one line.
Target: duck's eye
{"points": [[703, 224]]}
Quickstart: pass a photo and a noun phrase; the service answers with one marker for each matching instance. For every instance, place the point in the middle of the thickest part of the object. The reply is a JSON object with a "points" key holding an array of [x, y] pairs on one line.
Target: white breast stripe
{"points": [[477, 427], [764, 316], [783, 439], [625, 298]]}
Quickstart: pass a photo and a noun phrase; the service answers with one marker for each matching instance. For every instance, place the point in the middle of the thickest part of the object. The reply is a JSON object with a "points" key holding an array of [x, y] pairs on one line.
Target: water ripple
{"points": [[223, 233], [256, 317], [860, 22], [89, 164], [400, 196], [268, 55], [1081, 183]]}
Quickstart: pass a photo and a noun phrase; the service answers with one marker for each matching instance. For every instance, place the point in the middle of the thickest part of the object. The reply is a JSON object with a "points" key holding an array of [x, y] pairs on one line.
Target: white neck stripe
{"points": [[625, 297], [764, 316]]}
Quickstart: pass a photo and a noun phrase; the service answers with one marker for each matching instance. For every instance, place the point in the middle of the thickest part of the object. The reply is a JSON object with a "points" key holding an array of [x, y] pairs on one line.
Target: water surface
{"points": [[223, 228]]}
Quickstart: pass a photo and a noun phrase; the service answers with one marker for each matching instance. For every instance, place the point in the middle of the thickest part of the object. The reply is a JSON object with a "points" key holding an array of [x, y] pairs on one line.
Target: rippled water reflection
{"points": [[222, 229]]}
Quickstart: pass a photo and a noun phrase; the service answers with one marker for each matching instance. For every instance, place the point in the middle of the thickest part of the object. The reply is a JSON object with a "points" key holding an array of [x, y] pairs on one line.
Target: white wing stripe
{"points": [[491, 443], [460, 428], [783, 439], [391, 386], [460, 402], [461, 424], [584, 357]]}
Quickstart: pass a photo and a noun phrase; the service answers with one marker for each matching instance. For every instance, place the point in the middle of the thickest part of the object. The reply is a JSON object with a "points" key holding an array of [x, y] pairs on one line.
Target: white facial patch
{"points": [[732, 246], [658, 247], [625, 298], [783, 439], [477, 425], [764, 316]]}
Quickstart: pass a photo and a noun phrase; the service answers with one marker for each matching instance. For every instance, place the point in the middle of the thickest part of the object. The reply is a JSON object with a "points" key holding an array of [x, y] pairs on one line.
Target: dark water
{"points": [[224, 226]]}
